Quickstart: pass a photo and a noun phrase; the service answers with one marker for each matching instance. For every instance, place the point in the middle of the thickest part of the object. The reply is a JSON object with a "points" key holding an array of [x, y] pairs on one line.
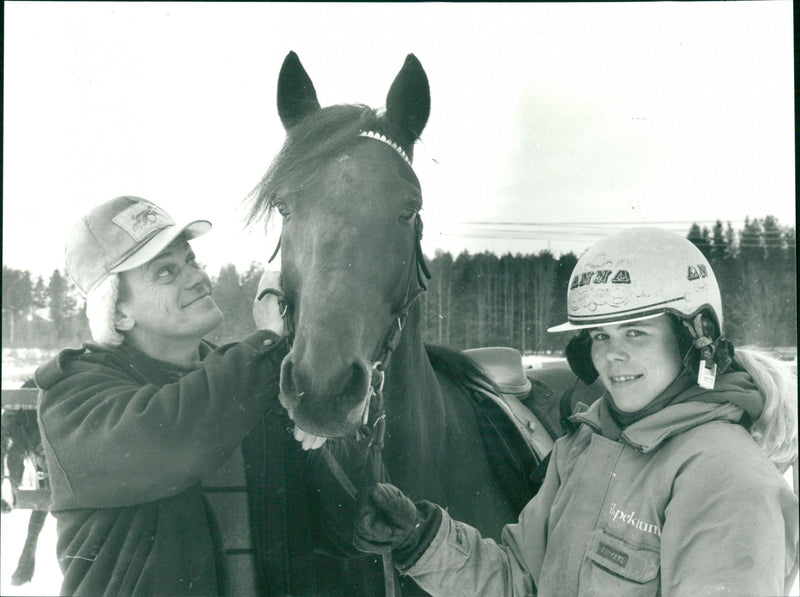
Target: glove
{"points": [[385, 519], [266, 312]]}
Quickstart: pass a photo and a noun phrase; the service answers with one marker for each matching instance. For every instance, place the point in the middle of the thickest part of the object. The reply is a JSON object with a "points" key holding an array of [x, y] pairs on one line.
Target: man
{"points": [[143, 428]]}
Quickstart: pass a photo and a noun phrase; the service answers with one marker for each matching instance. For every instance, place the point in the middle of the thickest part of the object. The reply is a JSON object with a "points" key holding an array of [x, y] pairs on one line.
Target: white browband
{"points": [[389, 142]]}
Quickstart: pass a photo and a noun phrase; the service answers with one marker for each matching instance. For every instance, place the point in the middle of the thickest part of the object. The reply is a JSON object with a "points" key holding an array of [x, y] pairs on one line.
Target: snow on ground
{"points": [[20, 363], [538, 361], [47, 575]]}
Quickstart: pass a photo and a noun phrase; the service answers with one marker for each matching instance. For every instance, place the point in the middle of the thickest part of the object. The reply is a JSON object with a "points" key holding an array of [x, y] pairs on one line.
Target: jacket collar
{"points": [[51, 372], [157, 370], [734, 395]]}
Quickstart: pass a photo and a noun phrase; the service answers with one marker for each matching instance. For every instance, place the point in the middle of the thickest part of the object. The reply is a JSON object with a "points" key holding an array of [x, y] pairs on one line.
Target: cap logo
{"points": [[607, 282], [695, 273], [142, 219], [601, 276]]}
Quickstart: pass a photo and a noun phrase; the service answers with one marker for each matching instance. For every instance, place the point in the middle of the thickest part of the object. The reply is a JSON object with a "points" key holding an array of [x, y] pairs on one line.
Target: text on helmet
{"points": [[603, 276]]}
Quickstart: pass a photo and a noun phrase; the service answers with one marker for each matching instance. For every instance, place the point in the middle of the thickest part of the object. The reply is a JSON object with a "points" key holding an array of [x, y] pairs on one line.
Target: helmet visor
{"points": [[569, 326]]}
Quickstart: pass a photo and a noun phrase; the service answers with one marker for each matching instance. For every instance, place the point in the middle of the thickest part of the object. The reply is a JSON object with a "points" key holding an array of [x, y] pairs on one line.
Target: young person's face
{"points": [[636, 361], [168, 299]]}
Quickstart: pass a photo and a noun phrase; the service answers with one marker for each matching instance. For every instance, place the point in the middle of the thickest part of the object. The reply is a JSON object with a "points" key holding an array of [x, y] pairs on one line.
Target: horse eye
{"points": [[282, 209], [408, 213]]}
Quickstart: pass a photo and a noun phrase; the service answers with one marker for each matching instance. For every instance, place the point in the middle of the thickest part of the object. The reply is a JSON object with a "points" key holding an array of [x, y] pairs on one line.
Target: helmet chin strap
{"points": [[715, 355]]}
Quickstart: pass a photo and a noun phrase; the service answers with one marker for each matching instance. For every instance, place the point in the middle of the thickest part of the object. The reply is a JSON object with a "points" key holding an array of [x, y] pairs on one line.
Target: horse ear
{"points": [[297, 97], [408, 102]]}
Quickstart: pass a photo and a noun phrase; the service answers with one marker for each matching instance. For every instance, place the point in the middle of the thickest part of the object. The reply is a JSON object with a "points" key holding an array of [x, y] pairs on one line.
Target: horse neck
{"points": [[414, 409]]}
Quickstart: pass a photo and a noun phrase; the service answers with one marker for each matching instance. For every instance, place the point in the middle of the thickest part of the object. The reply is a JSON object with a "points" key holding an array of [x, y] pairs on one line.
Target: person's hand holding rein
{"points": [[386, 519], [266, 308], [389, 522]]}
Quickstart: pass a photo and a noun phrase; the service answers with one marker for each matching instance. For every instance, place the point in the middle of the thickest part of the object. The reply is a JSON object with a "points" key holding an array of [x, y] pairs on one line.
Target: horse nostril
{"points": [[357, 383]]}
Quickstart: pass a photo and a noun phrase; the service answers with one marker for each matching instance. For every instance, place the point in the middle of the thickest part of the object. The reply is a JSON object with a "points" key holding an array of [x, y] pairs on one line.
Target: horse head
{"points": [[349, 199]]}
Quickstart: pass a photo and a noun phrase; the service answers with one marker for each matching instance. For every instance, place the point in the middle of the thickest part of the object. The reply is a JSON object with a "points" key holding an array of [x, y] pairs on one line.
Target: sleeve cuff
{"points": [[429, 519], [449, 548]]}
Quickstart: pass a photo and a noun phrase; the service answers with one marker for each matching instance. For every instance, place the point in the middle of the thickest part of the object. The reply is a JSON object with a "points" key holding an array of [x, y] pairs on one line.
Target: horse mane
{"points": [[459, 368], [315, 140]]}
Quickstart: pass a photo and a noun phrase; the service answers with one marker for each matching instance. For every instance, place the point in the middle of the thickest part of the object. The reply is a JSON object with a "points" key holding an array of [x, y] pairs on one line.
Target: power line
{"points": [[584, 232], [593, 223], [588, 237]]}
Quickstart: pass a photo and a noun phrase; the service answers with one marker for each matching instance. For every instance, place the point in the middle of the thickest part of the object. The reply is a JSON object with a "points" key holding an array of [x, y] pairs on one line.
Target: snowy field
{"points": [[47, 576], [18, 365], [534, 361]]}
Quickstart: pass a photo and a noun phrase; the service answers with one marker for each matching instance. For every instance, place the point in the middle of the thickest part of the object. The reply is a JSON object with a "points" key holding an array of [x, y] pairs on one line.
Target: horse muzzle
{"points": [[326, 400]]}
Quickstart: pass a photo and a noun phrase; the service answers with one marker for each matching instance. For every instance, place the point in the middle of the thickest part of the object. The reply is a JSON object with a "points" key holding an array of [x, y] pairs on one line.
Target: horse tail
{"points": [[776, 429]]}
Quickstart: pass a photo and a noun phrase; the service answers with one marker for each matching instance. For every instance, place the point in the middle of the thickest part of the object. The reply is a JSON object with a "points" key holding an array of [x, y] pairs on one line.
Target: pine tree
{"points": [[17, 302], [227, 293], [62, 308], [543, 274], [701, 239]]}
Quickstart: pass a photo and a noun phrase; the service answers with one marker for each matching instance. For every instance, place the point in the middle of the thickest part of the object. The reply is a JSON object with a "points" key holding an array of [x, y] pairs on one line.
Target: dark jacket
{"points": [[127, 439]]}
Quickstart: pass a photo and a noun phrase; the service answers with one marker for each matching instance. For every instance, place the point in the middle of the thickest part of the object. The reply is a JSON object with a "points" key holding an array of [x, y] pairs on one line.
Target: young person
{"points": [[672, 483], [143, 428]]}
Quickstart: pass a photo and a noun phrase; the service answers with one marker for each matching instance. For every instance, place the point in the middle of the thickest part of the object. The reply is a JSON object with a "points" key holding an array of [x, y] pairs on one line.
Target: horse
{"points": [[352, 268], [21, 441]]}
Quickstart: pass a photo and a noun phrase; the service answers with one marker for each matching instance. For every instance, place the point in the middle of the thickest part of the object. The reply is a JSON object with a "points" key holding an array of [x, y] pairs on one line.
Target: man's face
{"points": [[636, 361], [169, 299]]}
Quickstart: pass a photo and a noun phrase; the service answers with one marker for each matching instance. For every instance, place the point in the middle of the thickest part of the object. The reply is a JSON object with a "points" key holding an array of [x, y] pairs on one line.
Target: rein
{"points": [[374, 402]]}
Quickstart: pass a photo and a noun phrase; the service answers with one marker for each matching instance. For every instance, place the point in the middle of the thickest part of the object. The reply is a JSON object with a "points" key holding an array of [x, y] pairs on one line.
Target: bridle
{"points": [[374, 404], [419, 272]]}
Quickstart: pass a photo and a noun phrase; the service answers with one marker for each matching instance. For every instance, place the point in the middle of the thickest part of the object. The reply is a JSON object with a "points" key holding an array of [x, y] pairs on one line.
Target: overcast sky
{"points": [[556, 122]]}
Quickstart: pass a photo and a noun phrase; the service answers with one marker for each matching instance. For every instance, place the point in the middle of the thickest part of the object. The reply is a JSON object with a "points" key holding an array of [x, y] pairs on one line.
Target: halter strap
{"points": [[422, 274]]}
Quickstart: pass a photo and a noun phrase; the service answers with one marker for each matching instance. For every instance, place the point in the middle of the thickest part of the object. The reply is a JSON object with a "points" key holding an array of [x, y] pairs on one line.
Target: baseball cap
{"points": [[120, 235]]}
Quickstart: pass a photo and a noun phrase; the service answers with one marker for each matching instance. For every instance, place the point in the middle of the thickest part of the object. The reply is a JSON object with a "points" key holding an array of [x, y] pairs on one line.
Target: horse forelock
{"points": [[317, 139]]}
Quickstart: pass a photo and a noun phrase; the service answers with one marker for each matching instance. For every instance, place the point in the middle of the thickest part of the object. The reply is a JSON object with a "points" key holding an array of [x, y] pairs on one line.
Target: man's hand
{"points": [[266, 311], [385, 521]]}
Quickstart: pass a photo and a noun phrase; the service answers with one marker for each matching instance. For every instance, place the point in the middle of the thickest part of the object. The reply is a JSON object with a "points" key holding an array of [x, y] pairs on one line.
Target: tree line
{"points": [[473, 299]]}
